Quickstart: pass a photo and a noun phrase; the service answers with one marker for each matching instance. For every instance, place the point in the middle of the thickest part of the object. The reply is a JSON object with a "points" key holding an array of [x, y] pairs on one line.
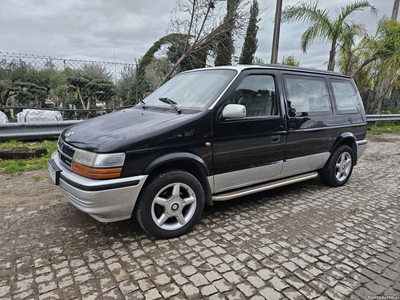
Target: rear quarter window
{"points": [[345, 96]]}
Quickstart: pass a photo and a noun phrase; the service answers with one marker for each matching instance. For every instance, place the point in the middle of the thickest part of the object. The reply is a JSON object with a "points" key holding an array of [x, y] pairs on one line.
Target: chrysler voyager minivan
{"points": [[208, 135]]}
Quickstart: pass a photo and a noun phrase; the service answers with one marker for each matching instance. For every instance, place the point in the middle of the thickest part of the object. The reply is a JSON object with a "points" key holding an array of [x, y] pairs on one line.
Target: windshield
{"points": [[192, 90]]}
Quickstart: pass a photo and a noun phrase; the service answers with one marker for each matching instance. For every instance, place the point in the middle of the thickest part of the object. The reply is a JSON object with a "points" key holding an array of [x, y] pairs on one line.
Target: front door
{"points": [[249, 150]]}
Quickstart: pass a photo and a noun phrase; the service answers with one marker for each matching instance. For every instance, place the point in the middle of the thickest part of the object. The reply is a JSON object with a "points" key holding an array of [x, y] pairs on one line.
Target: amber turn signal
{"points": [[208, 144], [96, 173]]}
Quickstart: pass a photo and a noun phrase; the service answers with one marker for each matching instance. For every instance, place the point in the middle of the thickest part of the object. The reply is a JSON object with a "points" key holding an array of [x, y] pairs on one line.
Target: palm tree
{"points": [[322, 27], [347, 50]]}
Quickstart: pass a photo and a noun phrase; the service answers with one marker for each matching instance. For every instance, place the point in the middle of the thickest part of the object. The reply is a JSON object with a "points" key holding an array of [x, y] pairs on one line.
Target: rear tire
{"points": [[339, 167], [171, 204]]}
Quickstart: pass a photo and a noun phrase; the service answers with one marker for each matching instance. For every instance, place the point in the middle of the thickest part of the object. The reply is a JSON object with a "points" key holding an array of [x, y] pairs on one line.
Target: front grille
{"points": [[66, 153]]}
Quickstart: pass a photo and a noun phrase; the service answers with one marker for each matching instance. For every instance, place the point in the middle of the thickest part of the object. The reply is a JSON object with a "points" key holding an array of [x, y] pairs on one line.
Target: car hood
{"points": [[130, 129]]}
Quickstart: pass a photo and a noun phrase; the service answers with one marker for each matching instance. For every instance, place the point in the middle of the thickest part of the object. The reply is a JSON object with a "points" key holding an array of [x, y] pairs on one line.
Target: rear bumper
{"points": [[361, 146], [105, 200]]}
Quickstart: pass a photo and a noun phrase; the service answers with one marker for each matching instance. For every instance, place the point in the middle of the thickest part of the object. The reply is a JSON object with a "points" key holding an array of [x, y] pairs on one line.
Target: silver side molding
{"points": [[246, 177], [304, 164], [263, 187]]}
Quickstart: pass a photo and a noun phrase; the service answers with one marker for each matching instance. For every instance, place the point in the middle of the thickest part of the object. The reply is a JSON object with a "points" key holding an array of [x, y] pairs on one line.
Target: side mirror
{"points": [[234, 111]]}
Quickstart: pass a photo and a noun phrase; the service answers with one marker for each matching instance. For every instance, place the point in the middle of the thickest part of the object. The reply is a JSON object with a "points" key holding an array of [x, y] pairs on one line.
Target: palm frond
{"points": [[310, 35], [349, 9]]}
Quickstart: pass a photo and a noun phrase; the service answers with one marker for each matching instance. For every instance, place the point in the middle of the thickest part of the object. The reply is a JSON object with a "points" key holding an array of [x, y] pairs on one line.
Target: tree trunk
{"points": [[382, 91], [332, 53], [349, 65], [80, 96]]}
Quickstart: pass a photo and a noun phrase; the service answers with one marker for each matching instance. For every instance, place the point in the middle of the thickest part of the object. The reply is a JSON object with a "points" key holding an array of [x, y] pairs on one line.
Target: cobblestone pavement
{"points": [[305, 241]]}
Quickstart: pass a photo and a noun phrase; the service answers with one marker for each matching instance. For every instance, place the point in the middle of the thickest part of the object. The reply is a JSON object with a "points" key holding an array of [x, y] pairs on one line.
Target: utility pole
{"points": [[277, 29], [395, 10]]}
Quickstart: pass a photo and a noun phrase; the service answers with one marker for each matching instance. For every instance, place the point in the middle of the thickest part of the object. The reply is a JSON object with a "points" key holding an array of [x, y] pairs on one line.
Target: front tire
{"points": [[339, 167], [171, 204]]}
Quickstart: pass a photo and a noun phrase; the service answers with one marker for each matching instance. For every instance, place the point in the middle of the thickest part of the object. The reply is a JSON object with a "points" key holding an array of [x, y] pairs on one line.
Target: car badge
{"points": [[69, 134]]}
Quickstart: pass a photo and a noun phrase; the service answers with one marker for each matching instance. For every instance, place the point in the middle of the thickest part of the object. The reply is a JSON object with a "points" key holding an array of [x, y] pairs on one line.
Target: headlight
{"points": [[85, 158], [98, 166]]}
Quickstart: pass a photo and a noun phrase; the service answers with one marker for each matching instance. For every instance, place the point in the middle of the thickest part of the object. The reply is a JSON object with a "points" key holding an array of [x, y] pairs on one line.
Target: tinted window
{"points": [[306, 95], [345, 95], [257, 94]]}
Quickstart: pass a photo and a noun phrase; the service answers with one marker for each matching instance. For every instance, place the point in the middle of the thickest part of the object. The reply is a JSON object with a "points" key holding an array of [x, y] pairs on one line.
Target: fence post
{"points": [[137, 81]]}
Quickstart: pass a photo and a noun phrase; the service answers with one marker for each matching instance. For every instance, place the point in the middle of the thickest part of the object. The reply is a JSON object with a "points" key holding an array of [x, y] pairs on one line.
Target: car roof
{"points": [[241, 68]]}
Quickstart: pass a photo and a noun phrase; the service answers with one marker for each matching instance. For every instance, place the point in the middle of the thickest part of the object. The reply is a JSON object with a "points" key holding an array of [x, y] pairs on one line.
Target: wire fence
{"points": [[55, 88]]}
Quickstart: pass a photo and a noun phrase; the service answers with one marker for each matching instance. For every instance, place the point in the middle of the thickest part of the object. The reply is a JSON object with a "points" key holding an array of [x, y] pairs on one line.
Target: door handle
{"points": [[275, 138]]}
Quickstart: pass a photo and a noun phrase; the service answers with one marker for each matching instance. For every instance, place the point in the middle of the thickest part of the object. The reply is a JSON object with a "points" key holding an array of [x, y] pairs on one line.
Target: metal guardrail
{"points": [[376, 118], [26, 131]]}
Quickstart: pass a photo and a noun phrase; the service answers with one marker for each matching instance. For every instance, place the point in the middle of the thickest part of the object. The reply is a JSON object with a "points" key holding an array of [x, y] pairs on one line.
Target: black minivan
{"points": [[210, 135]]}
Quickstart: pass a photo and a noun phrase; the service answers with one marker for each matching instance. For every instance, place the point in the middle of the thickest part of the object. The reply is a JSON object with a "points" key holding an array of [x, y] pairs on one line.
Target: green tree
{"points": [[127, 78], [383, 46], [290, 61], [22, 82], [90, 91], [96, 71], [322, 27], [225, 47], [379, 55], [250, 44], [143, 63]]}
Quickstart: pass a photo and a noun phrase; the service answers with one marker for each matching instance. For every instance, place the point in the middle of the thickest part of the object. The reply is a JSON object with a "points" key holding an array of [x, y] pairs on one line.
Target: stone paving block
{"points": [[127, 287], [247, 289], [161, 280], [277, 284], [309, 292], [343, 289], [333, 294], [295, 282], [270, 294], [191, 291], [222, 285], [375, 288], [198, 279], [212, 276], [169, 290], [145, 284], [293, 294], [256, 281], [265, 274], [50, 296]]}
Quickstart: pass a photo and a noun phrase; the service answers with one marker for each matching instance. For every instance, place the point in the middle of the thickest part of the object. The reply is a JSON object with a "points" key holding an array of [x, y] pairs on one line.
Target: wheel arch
{"points": [[188, 162], [349, 139]]}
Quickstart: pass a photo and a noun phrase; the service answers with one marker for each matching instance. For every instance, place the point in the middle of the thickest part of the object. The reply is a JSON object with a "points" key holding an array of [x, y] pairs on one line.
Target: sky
{"points": [[122, 30]]}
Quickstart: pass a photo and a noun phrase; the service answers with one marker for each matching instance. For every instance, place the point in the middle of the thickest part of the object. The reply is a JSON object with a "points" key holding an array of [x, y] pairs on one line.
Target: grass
{"points": [[16, 167], [384, 127]]}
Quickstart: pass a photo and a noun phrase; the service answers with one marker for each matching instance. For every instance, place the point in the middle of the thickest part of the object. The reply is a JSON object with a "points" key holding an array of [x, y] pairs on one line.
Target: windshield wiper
{"points": [[171, 102], [142, 103]]}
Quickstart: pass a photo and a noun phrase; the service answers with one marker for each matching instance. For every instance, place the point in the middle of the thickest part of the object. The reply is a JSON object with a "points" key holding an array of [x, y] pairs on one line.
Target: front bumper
{"points": [[105, 200]]}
